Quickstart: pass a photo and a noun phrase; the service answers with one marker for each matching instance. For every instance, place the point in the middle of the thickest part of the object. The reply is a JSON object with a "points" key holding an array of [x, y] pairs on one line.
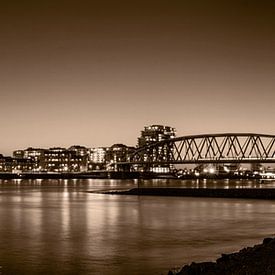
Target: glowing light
{"points": [[211, 170], [226, 169]]}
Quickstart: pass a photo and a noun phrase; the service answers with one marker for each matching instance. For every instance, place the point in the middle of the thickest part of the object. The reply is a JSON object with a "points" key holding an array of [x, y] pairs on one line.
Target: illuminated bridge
{"points": [[210, 148]]}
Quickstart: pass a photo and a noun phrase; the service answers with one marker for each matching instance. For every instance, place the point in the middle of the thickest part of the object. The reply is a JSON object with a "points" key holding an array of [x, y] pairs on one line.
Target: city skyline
{"points": [[150, 128], [95, 75]]}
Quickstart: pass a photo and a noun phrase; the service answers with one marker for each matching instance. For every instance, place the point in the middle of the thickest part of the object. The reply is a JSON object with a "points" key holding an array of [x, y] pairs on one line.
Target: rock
{"points": [[256, 260], [267, 240]]}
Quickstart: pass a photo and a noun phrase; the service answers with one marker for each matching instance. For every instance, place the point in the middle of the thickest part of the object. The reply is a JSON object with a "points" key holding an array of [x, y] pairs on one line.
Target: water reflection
{"points": [[55, 227], [106, 184]]}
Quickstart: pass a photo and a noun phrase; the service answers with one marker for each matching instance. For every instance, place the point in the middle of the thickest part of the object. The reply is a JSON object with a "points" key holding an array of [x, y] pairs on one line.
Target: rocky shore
{"points": [[257, 260]]}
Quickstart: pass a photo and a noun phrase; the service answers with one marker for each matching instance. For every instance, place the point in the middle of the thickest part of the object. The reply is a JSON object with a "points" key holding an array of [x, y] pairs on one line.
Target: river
{"points": [[56, 227]]}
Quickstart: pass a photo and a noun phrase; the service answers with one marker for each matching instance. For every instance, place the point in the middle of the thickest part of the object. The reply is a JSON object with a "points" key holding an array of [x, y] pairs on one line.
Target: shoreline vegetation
{"points": [[256, 260], [241, 193]]}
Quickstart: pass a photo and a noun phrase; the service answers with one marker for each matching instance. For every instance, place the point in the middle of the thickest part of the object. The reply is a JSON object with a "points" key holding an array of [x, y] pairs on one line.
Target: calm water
{"points": [[54, 226]]}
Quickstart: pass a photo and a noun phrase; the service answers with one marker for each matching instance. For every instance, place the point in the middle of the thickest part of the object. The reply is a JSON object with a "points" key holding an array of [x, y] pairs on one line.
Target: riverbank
{"points": [[242, 193], [256, 260]]}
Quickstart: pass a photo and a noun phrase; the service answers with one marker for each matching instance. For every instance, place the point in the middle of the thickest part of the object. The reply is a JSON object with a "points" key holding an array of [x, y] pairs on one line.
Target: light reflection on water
{"points": [[107, 184], [52, 226]]}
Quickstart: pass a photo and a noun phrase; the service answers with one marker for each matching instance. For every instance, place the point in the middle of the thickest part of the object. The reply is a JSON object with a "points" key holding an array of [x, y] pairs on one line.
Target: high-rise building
{"points": [[155, 133], [150, 135]]}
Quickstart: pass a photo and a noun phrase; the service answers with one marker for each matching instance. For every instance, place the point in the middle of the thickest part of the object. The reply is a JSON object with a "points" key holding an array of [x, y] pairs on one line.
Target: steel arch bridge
{"points": [[209, 148]]}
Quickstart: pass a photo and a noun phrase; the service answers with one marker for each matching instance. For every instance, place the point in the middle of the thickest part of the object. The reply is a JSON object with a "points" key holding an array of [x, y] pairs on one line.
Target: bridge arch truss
{"points": [[210, 148]]}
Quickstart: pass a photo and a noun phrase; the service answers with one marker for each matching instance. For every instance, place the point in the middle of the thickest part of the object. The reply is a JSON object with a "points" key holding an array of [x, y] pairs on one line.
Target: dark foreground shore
{"points": [[257, 260], [246, 193]]}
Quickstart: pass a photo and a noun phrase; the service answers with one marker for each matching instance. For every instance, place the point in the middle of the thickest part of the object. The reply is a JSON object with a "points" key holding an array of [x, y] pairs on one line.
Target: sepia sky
{"points": [[95, 72]]}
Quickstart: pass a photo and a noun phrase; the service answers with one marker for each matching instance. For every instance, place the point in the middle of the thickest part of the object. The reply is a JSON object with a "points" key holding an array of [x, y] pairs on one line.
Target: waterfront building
{"points": [[79, 150], [79, 156], [15, 165], [77, 163], [118, 153], [63, 160], [34, 154], [2, 162], [18, 154], [152, 134], [20, 165], [155, 133], [37, 155], [97, 158], [56, 159], [6, 164]]}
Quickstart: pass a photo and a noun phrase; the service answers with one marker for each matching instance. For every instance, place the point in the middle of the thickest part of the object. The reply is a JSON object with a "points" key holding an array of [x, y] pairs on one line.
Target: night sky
{"points": [[82, 72]]}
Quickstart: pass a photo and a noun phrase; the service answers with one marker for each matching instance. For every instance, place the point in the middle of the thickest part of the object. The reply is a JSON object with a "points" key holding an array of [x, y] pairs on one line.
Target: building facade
{"points": [[6, 164], [56, 159], [34, 154], [118, 153], [97, 158], [150, 135], [79, 156], [20, 165], [155, 133]]}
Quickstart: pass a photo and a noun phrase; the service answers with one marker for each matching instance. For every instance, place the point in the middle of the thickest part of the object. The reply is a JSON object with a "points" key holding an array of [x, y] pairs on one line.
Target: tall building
{"points": [[155, 133], [152, 134]]}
